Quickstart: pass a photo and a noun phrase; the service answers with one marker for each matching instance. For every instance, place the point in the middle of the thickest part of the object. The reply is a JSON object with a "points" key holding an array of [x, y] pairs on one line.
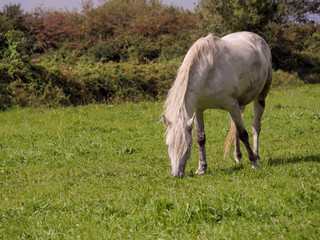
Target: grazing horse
{"points": [[217, 73]]}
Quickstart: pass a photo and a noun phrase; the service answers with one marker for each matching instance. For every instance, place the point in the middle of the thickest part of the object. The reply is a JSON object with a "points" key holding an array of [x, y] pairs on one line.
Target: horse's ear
{"points": [[166, 122], [190, 122]]}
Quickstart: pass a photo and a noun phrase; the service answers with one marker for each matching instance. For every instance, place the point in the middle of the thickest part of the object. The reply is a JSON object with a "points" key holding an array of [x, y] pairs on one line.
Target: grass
{"points": [[102, 172]]}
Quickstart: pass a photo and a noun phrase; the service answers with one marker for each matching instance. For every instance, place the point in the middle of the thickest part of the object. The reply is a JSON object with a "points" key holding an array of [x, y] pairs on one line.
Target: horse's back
{"points": [[241, 64], [247, 43], [246, 37], [251, 62]]}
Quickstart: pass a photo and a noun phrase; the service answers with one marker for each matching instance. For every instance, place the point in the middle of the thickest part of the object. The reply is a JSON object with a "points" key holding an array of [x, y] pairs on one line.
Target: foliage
{"points": [[47, 29], [130, 50], [275, 21], [223, 17], [281, 78], [103, 172], [12, 18], [22, 82], [255, 15], [299, 10], [14, 64], [118, 28], [308, 57], [65, 78], [104, 52], [5, 24], [299, 51], [114, 81]]}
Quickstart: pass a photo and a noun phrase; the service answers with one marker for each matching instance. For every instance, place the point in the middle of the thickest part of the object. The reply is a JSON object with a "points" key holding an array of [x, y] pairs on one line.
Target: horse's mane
{"points": [[175, 108], [175, 103]]}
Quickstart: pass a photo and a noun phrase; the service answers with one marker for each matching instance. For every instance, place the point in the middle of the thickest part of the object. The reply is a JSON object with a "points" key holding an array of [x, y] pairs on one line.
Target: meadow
{"points": [[102, 171]]}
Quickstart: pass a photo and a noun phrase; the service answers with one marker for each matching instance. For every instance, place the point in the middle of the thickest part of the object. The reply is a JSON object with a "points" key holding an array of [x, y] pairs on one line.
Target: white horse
{"points": [[217, 73]]}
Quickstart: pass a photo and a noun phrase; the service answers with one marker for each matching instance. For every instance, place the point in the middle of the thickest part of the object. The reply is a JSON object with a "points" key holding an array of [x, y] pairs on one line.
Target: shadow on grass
{"points": [[209, 171], [293, 159], [269, 162], [234, 168]]}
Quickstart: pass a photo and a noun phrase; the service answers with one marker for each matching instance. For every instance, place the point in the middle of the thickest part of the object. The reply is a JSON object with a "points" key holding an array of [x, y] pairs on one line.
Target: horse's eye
{"points": [[167, 145]]}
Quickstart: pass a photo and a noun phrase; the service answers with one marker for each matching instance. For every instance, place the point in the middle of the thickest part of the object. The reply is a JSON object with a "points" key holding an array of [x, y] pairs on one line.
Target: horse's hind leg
{"points": [[258, 107], [242, 134], [237, 149], [256, 124], [201, 138]]}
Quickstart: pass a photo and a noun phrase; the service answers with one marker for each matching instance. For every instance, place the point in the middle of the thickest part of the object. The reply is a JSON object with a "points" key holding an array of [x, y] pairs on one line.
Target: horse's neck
{"points": [[190, 103], [196, 82], [197, 65]]}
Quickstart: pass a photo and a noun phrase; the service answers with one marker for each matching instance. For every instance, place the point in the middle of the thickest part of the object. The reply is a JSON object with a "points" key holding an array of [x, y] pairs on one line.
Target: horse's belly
{"points": [[250, 88], [216, 101], [219, 98], [244, 100], [249, 95]]}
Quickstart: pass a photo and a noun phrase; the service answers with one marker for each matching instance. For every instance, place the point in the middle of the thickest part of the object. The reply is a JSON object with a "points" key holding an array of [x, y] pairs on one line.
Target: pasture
{"points": [[103, 172]]}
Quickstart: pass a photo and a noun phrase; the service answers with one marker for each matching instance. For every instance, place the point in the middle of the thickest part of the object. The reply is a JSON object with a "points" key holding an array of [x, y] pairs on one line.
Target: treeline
{"points": [[131, 49], [119, 30]]}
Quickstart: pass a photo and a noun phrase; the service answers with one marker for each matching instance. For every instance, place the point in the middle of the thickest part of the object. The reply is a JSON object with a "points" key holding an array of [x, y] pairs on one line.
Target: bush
{"points": [[14, 64], [112, 81], [65, 81], [123, 50], [5, 96], [147, 51], [104, 51], [25, 84], [281, 78]]}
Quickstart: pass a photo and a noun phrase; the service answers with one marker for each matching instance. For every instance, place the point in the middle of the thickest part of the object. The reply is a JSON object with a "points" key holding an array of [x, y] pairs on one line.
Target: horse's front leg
{"points": [[201, 139]]}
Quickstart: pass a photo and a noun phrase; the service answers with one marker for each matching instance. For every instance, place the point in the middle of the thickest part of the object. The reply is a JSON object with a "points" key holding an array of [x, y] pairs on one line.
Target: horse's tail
{"points": [[232, 133]]}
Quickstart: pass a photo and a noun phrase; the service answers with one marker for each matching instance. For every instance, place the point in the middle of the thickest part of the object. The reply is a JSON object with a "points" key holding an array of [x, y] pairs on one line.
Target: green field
{"points": [[103, 172]]}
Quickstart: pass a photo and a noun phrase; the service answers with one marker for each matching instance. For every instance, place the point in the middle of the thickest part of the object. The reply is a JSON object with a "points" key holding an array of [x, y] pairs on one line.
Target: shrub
{"points": [[281, 78], [104, 51], [14, 64], [147, 51], [5, 96], [106, 82], [25, 84]]}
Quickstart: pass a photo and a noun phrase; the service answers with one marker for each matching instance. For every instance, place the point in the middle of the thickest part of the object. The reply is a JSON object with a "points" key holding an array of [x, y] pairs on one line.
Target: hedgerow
{"points": [[53, 80], [112, 81], [130, 50]]}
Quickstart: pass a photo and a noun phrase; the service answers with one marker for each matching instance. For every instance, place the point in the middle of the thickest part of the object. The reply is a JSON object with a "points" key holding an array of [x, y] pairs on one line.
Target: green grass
{"points": [[103, 172]]}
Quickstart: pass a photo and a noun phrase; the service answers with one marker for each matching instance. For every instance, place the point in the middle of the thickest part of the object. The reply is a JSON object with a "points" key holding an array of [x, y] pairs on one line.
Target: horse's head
{"points": [[179, 143]]}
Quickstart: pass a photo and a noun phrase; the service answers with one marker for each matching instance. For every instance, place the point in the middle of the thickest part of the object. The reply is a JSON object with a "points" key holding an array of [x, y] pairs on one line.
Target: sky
{"points": [[28, 5]]}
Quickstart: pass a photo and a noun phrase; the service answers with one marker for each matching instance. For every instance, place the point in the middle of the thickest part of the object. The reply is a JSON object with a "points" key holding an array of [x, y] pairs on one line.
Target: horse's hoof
{"points": [[201, 171], [238, 160], [255, 164]]}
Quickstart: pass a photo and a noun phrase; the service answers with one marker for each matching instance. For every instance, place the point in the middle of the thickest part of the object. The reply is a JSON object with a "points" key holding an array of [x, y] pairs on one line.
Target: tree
{"points": [[13, 15], [299, 10], [272, 19], [47, 29], [254, 15]]}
